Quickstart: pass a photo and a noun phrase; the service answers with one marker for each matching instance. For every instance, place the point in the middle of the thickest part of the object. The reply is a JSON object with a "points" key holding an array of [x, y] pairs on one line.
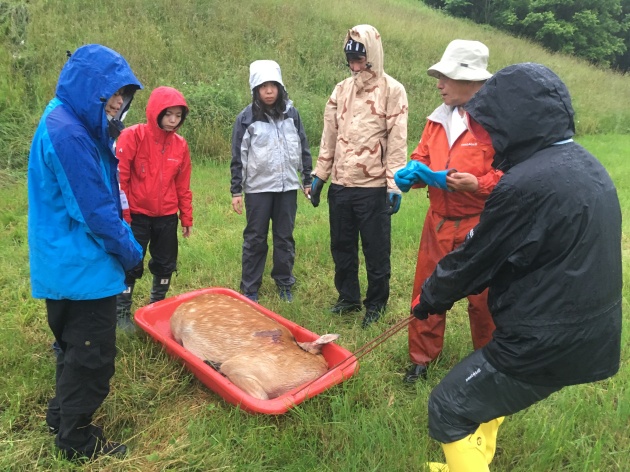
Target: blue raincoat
{"points": [[79, 246]]}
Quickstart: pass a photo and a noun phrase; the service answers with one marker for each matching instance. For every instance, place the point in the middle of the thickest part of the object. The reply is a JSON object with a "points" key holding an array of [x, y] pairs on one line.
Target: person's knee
{"points": [[435, 417], [255, 244], [92, 357], [447, 423], [163, 268]]}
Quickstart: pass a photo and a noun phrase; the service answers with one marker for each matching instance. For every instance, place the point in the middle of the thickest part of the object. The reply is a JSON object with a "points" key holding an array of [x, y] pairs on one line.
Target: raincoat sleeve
{"points": [[501, 233], [126, 148], [307, 159], [488, 181], [184, 194], [91, 202], [421, 154], [396, 155], [328, 143], [236, 166]]}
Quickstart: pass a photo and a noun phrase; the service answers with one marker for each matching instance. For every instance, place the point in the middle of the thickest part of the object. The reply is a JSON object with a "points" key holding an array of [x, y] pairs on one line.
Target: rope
{"points": [[365, 349]]}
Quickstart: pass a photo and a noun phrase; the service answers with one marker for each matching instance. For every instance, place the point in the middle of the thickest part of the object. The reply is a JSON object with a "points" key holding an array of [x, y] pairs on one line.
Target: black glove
{"points": [[316, 190], [115, 127], [419, 312]]}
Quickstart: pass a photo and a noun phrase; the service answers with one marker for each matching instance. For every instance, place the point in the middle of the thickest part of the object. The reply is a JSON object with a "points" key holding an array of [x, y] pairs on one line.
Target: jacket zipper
{"points": [[161, 190]]}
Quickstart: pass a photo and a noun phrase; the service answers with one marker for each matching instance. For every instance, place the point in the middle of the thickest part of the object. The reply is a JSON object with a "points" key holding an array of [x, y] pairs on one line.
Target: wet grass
{"points": [[372, 422]]}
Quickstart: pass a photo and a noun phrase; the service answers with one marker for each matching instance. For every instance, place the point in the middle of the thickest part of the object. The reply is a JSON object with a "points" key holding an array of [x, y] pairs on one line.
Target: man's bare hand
{"points": [[462, 182]]}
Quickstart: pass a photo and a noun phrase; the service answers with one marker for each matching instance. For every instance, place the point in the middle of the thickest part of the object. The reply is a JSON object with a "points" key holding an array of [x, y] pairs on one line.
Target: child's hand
{"points": [[237, 204], [186, 230]]}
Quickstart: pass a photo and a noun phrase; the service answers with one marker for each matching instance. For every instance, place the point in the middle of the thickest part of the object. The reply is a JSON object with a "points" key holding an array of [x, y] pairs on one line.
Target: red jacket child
{"points": [[155, 163], [154, 168]]}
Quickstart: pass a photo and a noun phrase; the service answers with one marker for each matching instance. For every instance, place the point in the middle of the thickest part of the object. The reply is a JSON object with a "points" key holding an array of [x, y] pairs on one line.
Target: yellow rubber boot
{"points": [[475, 452], [489, 431], [437, 467]]}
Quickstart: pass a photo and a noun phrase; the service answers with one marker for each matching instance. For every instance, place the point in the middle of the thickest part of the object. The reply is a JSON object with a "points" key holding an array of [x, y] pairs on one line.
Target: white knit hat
{"points": [[264, 71], [463, 60]]}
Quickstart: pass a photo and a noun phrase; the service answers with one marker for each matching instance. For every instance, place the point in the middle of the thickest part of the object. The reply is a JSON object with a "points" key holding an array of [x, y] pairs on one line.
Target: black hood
{"points": [[525, 108]]}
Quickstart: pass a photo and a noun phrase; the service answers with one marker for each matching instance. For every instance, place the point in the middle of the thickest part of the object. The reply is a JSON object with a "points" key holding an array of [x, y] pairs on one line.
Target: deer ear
{"points": [[326, 338], [311, 346]]}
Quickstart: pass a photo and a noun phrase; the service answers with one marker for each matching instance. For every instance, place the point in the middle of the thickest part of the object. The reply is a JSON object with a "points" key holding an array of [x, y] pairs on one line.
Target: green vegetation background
{"points": [[371, 422], [204, 48]]}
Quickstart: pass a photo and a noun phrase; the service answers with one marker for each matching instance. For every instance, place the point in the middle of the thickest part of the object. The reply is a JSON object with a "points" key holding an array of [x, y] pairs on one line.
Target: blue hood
{"points": [[89, 78]]}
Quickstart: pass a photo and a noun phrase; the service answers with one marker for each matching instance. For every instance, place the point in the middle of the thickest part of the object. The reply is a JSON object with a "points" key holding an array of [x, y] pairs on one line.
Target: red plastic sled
{"points": [[155, 320]]}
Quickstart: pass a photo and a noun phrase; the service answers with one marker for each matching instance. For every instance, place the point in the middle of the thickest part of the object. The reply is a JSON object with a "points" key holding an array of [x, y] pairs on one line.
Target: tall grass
{"points": [[204, 48], [372, 422]]}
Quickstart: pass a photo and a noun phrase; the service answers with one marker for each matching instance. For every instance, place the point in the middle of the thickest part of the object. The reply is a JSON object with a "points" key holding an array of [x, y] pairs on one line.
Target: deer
{"points": [[256, 353]]}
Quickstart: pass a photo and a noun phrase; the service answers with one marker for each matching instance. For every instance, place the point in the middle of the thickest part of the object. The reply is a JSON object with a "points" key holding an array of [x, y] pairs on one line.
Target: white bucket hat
{"points": [[463, 60], [264, 71]]}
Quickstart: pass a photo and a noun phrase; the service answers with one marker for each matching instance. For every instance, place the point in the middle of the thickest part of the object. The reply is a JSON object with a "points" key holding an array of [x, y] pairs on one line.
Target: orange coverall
{"points": [[451, 215]]}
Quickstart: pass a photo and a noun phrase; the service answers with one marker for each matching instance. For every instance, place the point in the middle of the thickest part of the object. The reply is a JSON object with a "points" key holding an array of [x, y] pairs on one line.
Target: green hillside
{"points": [[204, 48]]}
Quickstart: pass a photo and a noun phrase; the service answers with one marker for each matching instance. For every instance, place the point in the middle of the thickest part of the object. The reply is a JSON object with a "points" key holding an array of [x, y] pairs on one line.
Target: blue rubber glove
{"points": [[415, 172], [408, 176], [393, 202], [403, 183], [316, 189], [435, 179]]}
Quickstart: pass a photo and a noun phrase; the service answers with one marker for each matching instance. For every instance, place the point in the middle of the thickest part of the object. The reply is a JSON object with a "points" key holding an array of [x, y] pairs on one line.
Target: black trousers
{"points": [[360, 212], [474, 392], [86, 332], [280, 209], [159, 235]]}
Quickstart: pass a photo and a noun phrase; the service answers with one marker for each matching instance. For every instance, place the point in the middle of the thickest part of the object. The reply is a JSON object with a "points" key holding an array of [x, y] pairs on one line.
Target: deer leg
{"points": [[248, 383]]}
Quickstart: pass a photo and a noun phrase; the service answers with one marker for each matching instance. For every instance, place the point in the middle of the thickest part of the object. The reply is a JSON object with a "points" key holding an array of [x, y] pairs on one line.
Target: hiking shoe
{"points": [[343, 306], [371, 315], [107, 448], [285, 293], [252, 296], [415, 373]]}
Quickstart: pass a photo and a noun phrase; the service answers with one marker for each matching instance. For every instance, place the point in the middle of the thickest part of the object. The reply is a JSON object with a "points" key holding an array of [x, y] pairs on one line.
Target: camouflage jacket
{"points": [[364, 141]]}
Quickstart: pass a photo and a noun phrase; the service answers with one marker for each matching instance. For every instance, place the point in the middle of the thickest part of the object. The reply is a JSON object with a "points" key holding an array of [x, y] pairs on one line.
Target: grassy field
{"points": [[370, 422]]}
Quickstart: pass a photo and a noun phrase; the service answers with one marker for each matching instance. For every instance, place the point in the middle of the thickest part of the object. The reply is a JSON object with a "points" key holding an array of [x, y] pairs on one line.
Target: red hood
{"points": [[161, 98]]}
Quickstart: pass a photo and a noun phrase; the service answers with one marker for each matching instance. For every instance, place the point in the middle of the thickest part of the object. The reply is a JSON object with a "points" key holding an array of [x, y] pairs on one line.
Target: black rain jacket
{"points": [[548, 243]]}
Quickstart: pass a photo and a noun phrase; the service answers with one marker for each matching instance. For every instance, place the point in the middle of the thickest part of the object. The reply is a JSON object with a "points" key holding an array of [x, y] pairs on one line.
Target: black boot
{"points": [[372, 314], [344, 306], [79, 440], [161, 284], [123, 310], [415, 373]]}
